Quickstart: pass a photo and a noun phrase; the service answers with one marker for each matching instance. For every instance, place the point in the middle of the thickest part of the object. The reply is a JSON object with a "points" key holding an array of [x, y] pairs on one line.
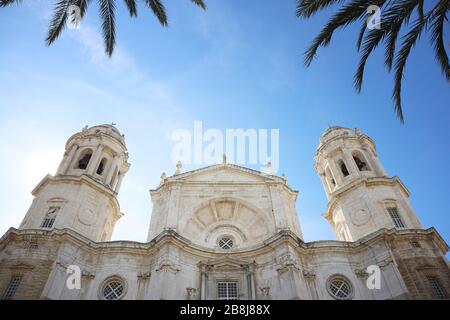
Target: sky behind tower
{"points": [[236, 65]]}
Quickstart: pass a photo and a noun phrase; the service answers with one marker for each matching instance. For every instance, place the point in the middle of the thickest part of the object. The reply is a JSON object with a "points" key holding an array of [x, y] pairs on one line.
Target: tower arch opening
{"points": [[360, 161], [84, 159]]}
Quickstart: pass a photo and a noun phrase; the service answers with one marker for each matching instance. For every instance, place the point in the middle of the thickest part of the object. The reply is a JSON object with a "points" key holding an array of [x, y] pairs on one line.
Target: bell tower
{"points": [[82, 196], [362, 198]]}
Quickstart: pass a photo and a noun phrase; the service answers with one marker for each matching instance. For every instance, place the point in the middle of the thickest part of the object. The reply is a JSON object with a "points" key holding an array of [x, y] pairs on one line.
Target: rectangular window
{"points": [[50, 217], [48, 223], [438, 291], [12, 288], [398, 222], [227, 291]]}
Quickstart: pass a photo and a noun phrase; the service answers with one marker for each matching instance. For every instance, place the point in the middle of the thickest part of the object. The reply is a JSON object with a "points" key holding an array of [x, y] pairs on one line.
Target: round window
{"points": [[340, 288], [226, 243], [113, 290]]}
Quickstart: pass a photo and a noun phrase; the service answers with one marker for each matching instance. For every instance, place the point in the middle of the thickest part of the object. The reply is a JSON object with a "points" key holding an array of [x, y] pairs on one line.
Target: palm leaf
{"points": [[437, 36], [349, 13], [306, 8], [159, 10], [4, 3], [132, 8], [107, 8], [59, 21], [200, 3], [409, 40]]}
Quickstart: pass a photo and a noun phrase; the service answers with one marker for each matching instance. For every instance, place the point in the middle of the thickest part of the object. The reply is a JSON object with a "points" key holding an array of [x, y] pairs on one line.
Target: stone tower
{"points": [[82, 196], [362, 199]]}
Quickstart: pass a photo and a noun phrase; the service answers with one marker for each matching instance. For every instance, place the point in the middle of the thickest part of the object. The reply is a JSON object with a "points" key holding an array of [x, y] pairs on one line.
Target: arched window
{"points": [[343, 168], [101, 166], [360, 163], [85, 159]]}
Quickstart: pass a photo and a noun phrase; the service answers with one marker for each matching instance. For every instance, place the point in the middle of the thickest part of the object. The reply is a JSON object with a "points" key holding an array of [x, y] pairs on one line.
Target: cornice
{"points": [[171, 237], [336, 196]]}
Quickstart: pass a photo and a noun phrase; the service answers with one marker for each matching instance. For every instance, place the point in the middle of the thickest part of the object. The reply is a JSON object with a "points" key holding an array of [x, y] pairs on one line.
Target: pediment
{"points": [[224, 173]]}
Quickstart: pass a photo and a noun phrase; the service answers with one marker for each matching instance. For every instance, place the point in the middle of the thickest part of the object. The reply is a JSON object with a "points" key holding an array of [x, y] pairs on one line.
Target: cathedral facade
{"points": [[222, 232]]}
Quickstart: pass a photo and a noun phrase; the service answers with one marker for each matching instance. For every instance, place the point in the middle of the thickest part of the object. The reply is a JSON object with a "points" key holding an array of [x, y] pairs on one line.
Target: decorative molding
{"points": [[144, 276], [361, 273], [309, 274], [167, 265]]}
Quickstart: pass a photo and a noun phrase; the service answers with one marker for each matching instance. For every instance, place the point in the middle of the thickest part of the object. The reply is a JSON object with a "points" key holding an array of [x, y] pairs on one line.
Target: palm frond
{"points": [[371, 41], [83, 5], [409, 40], [58, 21], [439, 17], [132, 8], [5, 3], [107, 9], [362, 31], [346, 15], [397, 15], [306, 8], [200, 3], [159, 10]]}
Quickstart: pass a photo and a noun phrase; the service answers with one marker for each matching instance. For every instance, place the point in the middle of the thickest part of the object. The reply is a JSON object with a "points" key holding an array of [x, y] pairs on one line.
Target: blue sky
{"points": [[237, 65]]}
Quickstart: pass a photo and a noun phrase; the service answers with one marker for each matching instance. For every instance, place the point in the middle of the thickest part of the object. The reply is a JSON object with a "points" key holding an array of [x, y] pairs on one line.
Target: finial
{"points": [[163, 177], [178, 166], [269, 168], [113, 124], [85, 128], [224, 158]]}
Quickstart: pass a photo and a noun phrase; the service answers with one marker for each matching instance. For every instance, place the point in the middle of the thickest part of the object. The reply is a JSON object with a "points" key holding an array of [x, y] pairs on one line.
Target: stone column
{"points": [[68, 159], [112, 170], [351, 165], [119, 183], [203, 279], [251, 284], [335, 171], [95, 160]]}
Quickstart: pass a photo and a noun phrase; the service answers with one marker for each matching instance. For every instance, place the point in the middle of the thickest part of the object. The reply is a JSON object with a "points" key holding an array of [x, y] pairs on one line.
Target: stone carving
{"points": [[178, 166], [87, 216], [191, 293], [167, 265], [360, 217], [265, 292], [309, 274], [287, 262]]}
